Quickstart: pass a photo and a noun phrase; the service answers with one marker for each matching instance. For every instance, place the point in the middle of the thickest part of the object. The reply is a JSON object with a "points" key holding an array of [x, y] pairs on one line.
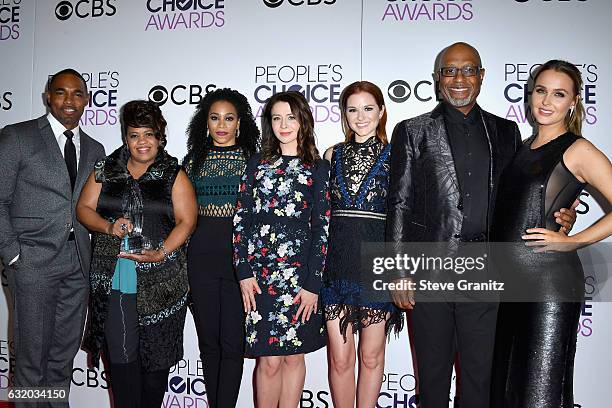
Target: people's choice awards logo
{"points": [[85, 9], [426, 10], [319, 83], [102, 109], [397, 390], [186, 386], [519, 83], [185, 14], [10, 17]]}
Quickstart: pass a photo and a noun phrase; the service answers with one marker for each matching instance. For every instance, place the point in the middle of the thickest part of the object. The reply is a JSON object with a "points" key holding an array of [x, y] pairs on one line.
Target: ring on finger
{"points": [[123, 227]]}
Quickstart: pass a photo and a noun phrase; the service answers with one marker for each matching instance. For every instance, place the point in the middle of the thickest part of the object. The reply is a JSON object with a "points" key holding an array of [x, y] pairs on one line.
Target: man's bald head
{"points": [[459, 47]]}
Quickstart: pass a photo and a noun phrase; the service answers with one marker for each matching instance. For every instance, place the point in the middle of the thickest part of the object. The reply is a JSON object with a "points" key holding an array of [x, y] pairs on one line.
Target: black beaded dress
{"points": [[161, 297], [536, 338], [359, 181], [280, 239]]}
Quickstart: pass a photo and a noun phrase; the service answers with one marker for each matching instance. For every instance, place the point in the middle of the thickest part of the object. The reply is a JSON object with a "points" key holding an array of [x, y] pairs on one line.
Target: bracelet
{"points": [[163, 249], [109, 230]]}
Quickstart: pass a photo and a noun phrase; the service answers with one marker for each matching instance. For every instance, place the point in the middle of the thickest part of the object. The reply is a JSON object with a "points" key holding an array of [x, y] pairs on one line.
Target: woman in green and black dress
{"points": [[221, 137]]}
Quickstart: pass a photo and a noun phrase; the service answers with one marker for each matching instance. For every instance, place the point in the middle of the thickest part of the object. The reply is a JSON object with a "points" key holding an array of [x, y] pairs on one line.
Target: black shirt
{"points": [[470, 148]]}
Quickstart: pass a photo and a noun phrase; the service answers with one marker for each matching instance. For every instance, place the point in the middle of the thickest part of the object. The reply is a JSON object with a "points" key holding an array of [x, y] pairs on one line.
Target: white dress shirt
{"points": [[58, 131]]}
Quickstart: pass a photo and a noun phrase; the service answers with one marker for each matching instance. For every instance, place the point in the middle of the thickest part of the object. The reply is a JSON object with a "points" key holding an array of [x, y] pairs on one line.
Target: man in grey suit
{"points": [[44, 164]]}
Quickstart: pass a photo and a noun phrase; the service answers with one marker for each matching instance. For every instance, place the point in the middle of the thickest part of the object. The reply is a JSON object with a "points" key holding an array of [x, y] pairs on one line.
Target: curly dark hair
{"points": [[138, 114], [199, 141], [307, 146]]}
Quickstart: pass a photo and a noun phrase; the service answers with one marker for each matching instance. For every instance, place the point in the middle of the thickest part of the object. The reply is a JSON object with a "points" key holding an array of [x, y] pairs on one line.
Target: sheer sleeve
{"points": [[319, 225], [243, 220]]}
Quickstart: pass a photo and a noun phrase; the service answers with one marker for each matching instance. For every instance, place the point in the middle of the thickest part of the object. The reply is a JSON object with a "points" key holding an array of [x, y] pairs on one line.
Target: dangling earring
{"points": [[237, 133], [209, 140], [571, 112]]}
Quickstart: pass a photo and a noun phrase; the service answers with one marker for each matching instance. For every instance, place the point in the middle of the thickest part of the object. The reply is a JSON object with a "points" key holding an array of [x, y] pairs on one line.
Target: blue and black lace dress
{"points": [[359, 182]]}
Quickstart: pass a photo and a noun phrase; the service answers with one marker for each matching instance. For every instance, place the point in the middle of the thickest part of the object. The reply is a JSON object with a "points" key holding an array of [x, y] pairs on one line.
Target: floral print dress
{"points": [[280, 238]]}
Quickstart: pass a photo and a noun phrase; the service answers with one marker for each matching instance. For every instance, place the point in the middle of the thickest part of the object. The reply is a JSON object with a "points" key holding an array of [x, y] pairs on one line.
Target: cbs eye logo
{"points": [[273, 3], [277, 3], [63, 10], [85, 8], [179, 94], [400, 91], [158, 94]]}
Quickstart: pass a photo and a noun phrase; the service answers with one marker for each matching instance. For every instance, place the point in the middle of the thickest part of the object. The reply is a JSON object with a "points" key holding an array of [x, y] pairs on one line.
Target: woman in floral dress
{"points": [[280, 243]]}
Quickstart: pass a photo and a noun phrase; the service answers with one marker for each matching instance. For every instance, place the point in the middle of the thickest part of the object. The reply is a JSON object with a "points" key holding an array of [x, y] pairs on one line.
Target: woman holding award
{"points": [[138, 284]]}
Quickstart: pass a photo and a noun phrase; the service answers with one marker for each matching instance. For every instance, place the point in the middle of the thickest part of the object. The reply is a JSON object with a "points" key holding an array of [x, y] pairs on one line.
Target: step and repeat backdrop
{"points": [[175, 51]]}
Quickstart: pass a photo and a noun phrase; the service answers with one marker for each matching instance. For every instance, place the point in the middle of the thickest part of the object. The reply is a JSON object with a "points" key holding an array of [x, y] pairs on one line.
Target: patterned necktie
{"points": [[70, 157]]}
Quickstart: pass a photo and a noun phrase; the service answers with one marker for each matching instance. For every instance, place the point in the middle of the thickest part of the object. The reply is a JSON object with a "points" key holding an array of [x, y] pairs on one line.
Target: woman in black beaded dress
{"points": [[222, 136], [536, 340], [138, 301], [280, 243], [358, 185]]}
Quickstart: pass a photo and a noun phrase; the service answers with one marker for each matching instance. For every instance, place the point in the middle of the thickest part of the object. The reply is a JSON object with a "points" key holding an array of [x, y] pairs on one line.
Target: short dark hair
{"points": [[66, 71], [139, 113]]}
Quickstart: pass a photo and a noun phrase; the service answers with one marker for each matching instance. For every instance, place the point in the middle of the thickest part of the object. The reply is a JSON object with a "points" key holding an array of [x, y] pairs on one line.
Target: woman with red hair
{"points": [[358, 184]]}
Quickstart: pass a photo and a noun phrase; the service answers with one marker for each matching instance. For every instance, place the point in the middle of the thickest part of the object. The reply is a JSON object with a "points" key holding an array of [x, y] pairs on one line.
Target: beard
{"points": [[458, 102]]}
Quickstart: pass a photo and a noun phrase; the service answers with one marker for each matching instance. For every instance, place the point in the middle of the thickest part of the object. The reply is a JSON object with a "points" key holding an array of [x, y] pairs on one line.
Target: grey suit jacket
{"points": [[37, 206], [424, 201]]}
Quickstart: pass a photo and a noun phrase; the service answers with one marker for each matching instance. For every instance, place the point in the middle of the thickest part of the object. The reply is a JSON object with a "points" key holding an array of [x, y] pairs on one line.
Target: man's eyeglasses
{"points": [[466, 71]]}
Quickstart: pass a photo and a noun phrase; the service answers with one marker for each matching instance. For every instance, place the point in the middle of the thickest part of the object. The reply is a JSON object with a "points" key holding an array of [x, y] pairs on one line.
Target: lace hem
{"points": [[362, 316]]}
